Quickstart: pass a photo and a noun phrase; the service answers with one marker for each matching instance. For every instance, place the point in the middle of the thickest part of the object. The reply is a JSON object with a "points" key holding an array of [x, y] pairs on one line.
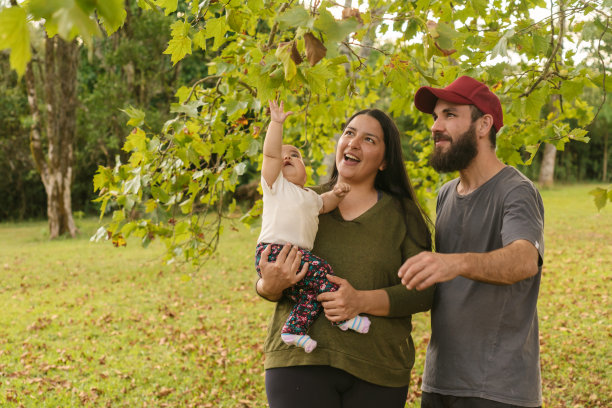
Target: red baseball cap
{"points": [[465, 91]]}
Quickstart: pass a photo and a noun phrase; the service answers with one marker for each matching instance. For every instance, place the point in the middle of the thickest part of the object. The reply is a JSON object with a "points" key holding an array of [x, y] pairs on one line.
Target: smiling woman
{"points": [[375, 227]]}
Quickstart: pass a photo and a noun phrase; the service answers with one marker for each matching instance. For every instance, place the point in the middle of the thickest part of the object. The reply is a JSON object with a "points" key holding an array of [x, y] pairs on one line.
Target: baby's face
{"points": [[293, 169]]}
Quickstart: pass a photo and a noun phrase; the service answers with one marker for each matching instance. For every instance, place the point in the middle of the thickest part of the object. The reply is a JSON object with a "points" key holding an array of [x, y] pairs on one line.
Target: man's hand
{"points": [[428, 268]]}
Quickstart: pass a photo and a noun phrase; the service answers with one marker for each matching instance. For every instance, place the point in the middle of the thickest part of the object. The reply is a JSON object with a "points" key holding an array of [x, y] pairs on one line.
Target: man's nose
{"points": [[437, 126]]}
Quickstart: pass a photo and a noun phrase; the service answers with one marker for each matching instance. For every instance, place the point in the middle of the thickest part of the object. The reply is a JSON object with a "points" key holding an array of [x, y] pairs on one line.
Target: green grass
{"points": [[86, 324]]}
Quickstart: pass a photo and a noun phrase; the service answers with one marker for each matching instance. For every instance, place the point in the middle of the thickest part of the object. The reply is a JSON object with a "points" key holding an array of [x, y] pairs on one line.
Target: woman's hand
{"points": [[343, 304], [281, 274]]}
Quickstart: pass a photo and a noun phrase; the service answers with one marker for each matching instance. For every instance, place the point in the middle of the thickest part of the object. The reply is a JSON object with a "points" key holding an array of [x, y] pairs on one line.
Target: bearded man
{"points": [[484, 347]]}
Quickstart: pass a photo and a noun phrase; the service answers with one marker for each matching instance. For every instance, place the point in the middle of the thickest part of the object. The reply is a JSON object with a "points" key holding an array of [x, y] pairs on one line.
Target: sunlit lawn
{"points": [[86, 324]]}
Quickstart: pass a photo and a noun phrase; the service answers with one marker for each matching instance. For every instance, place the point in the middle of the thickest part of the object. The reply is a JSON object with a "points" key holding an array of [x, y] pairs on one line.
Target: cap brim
{"points": [[426, 97]]}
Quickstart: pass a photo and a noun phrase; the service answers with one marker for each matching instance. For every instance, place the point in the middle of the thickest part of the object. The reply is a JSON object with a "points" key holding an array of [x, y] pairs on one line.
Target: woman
{"points": [[366, 239]]}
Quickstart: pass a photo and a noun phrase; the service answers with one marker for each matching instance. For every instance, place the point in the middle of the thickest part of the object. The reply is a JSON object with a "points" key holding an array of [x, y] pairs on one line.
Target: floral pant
{"points": [[305, 292]]}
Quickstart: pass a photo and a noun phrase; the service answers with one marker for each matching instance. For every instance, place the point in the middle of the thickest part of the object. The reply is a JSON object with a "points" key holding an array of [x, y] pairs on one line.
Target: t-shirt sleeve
{"points": [[275, 186], [523, 217], [317, 198]]}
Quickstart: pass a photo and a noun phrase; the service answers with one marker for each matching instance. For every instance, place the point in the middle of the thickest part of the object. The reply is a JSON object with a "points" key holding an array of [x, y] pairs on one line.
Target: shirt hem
{"points": [[369, 371], [483, 394]]}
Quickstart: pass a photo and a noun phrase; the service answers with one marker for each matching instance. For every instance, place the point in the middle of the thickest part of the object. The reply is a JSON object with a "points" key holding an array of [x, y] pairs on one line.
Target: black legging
{"points": [[327, 387]]}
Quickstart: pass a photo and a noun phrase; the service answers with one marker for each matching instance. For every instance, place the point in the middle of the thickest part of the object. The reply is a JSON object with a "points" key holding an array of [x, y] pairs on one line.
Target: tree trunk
{"points": [[604, 177], [55, 168], [547, 169]]}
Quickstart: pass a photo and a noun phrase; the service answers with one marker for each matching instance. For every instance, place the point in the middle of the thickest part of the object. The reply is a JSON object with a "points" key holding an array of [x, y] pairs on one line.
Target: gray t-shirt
{"points": [[485, 340]]}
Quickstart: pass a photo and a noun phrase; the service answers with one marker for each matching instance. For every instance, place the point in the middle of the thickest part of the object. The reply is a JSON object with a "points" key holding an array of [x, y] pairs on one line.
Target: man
{"points": [[484, 348]]}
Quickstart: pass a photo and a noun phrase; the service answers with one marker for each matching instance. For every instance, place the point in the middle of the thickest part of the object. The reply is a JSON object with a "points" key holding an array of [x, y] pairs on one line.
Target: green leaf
{"points": [[73, 21], [234, 19], [182, 93], [160, 194], [572, 89], [202, 149], [295, 17], [447, 34], [600, 197], [100, 234], [189, 108], [216, 27], [501, 48], [136, 141], [479, 6], [14, 35], [136, 116], [180, 29], [169, 5], [199, 39], [335, 31], [283, 53], [234, 106], [317, 76], [111, 13], [132, 186], [534, 103], [240, 169], [579, 135], [178, 47], [255, 5], [540, 44]]}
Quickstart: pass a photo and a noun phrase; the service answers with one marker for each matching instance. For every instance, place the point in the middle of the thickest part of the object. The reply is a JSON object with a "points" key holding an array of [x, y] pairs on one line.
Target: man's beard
{"points": [[459, 155]]}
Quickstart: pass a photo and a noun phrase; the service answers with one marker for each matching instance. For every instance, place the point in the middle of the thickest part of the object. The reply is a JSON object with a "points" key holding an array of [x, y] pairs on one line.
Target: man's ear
{"points": [[485, 124]]}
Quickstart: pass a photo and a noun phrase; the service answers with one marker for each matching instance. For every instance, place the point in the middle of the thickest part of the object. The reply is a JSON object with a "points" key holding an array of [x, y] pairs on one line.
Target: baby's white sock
{"points": [[300, 340], [361, 324]]}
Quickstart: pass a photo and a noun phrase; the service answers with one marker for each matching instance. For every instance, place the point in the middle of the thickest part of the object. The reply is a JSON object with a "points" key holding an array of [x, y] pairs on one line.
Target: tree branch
{"points": [[274, 29], [553, 55]]}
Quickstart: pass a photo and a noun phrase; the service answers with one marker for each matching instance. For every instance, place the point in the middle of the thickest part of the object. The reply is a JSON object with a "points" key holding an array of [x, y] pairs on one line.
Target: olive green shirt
{"points": [[368, 252]]}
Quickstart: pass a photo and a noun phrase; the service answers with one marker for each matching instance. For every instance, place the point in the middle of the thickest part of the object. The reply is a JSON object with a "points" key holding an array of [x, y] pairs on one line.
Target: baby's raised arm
{"points": [[273, 144], [332, 198]]}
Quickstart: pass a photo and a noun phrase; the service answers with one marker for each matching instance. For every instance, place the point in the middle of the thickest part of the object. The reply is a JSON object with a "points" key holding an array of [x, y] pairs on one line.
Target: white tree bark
{"points": [[55, 167]]}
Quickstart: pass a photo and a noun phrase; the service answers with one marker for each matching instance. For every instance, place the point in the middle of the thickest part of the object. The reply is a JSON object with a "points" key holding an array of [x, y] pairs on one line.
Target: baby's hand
{"points": [[277, 113], [341, 189]]}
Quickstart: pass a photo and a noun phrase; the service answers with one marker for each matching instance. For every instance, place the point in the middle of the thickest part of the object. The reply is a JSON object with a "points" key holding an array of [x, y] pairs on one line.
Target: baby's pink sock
{"points": [[361, 324], [300, 340]]}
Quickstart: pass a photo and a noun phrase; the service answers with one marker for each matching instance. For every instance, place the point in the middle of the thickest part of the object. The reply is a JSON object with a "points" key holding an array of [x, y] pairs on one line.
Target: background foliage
{"points": [[193, 79]]}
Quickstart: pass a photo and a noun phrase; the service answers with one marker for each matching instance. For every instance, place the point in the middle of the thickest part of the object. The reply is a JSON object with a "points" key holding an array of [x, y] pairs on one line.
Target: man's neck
{"points": [[480, 170]]}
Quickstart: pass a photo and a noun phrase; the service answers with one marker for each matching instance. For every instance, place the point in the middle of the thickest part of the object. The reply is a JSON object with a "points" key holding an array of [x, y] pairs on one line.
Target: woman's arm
{"points": [[281, 274]]}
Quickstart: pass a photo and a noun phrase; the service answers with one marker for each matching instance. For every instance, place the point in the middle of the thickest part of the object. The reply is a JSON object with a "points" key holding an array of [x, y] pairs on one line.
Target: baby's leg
{"points": [[301, 317], [318, 270]]}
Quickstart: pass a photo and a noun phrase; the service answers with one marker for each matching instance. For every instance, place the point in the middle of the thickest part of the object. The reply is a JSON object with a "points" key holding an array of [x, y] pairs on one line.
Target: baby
{"points": [[290, 216]]}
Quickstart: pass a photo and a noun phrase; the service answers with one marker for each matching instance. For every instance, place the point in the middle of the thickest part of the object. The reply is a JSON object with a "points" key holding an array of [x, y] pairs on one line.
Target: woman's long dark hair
{"points": [[393, 180]]}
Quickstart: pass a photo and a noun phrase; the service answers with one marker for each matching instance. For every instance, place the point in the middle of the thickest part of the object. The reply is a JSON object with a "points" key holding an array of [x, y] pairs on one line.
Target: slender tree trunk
{"points": [[604, 177], [547, 169], [55, 168]]}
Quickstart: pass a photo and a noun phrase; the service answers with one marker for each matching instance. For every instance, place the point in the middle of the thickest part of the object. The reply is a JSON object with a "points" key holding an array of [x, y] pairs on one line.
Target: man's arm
{"points": [[273, 144], [504, 266]]}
